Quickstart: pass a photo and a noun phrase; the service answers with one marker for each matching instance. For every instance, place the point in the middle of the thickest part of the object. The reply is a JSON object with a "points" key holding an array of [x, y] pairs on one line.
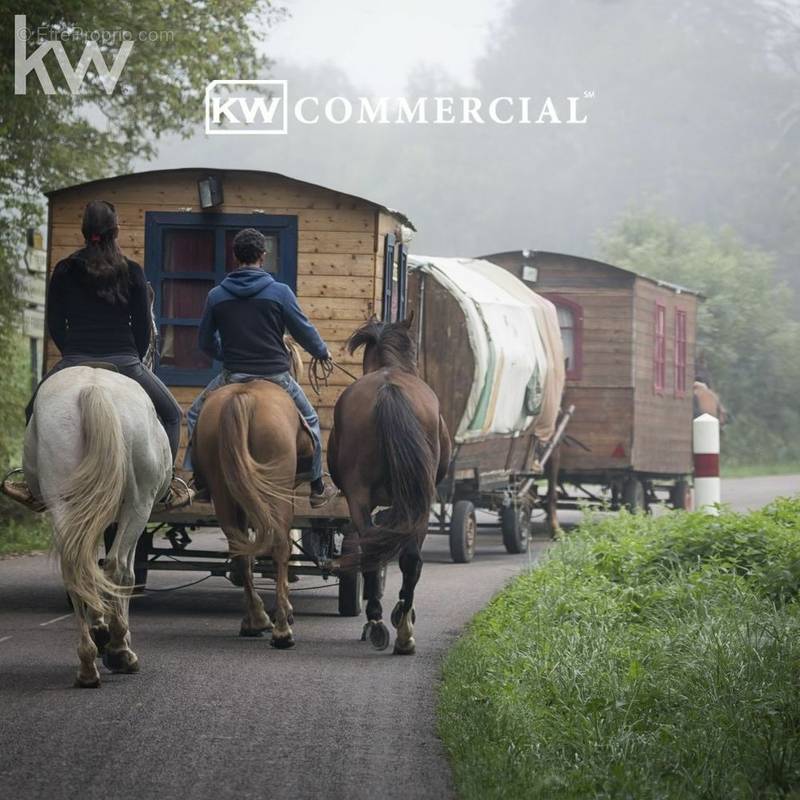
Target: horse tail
{"points": [[247, 480], [92, 498], [407, 458]]}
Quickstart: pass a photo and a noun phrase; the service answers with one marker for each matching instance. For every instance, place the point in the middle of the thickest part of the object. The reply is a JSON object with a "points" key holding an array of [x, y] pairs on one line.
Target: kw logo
{"points": [[25, 64], [247, 106]]}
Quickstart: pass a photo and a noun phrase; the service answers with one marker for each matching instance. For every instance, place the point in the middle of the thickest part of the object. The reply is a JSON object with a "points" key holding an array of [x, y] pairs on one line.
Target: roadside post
{"points": [[707, 486]]}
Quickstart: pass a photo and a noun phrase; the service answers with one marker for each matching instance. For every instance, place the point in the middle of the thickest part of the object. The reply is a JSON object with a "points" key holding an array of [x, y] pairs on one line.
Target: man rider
{"points": [[243, 325]]}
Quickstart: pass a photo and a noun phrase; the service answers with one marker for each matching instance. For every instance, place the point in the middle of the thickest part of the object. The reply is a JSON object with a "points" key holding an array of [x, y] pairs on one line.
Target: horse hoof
{"points": [[92, 684], [101, 637], [397, 614], [284, 643], [120, 662], [379, 636], [405, 650], [251, 633]]}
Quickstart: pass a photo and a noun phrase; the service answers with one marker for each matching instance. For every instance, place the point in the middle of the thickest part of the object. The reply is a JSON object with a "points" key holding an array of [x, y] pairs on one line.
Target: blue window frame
{"points": [[187, 254]]}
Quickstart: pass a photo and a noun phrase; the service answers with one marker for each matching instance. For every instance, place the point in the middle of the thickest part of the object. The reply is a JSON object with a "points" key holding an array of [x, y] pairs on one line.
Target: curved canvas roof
{"points": [[518, 375]]}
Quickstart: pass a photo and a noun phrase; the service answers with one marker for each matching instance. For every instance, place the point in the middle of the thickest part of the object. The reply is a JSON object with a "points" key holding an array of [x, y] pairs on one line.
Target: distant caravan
{"points": [[629, 348]]}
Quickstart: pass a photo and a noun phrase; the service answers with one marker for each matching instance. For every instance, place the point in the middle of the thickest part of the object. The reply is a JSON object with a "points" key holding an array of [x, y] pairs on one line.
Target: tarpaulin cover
{"points": [[516, 343]]}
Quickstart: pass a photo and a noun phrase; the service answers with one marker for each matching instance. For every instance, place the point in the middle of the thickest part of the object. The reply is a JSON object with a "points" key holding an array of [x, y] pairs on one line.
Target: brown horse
{"points": [[706, 401], [247, 443], [389, 447]]}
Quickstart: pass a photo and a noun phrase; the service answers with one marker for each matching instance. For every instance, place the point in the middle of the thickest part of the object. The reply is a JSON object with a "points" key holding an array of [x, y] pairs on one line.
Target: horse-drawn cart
{"points": [[491, 350]]}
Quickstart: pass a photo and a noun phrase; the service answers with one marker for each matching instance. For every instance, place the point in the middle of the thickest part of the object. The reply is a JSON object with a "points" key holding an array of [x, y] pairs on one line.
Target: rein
{"points": [[320, 370]]}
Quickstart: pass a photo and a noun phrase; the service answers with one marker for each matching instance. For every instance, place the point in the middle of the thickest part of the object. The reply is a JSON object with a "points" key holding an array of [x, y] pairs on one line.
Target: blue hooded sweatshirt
{"points": [[245, 319]]}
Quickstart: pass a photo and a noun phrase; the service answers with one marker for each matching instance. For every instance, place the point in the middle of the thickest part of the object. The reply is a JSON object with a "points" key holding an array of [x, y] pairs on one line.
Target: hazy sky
{"points": [[377, 43]]}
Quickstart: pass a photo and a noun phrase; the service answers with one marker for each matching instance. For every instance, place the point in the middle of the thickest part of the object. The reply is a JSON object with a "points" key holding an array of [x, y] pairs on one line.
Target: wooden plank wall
{"points": [[603, 394], [340, 244], [662, 420]]}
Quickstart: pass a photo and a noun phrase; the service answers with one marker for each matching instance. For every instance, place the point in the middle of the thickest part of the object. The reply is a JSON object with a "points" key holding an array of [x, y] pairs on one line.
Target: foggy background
{"points": [[695, 116]]}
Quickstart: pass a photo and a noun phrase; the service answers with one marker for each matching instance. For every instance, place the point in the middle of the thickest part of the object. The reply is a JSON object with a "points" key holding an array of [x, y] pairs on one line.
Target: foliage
{"points": [[647, 658], [54, 140], [48, 141], [747, 339], [20, 530]]}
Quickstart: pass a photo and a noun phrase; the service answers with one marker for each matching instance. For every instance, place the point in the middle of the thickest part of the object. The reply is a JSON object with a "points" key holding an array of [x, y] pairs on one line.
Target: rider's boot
{"points": [[178, 495], [19, 491], [321, 493]]}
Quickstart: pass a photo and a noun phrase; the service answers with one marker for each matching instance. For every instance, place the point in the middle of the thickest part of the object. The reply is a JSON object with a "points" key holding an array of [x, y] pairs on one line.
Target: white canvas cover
{"points": [[516, 344]]}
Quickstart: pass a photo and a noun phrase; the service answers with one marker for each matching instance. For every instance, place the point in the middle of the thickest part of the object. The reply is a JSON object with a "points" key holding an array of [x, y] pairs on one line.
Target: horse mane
{"points": [[393, 341]]}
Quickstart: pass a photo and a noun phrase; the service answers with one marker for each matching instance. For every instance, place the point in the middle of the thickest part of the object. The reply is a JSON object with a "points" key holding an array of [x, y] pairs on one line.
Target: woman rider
{"points": [[98, 310]]}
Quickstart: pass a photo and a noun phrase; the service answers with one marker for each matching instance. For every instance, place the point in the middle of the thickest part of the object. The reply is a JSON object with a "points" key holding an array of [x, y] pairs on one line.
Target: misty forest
{"points": [[686, 169]]}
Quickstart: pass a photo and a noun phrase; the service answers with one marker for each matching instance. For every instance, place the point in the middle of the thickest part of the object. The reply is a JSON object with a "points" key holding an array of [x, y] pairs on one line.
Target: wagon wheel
{"points": [[463, 531], [680, 495], [633, 495], [351, 590], [515, 522]]}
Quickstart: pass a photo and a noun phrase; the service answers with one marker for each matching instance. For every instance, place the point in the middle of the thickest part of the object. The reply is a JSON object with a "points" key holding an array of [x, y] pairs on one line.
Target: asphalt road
{"points": [[215, 716]]}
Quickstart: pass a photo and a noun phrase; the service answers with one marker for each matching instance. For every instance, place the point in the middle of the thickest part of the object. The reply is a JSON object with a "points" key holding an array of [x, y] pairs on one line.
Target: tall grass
{"points": [[646, 658]]}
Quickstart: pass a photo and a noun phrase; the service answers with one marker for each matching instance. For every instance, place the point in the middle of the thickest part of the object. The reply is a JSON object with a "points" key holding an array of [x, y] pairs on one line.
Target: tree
{"points": [[47, 140], [747, 339]]}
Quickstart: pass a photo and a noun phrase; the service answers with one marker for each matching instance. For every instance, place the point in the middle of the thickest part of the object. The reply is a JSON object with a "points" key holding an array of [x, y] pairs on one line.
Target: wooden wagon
{"points": [[343, 255], [491, 350], [629, 348]]}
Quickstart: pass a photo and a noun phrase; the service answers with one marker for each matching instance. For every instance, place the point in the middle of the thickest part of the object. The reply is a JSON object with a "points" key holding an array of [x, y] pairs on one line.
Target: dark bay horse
{"points": [[247, 443], [389, 447]]}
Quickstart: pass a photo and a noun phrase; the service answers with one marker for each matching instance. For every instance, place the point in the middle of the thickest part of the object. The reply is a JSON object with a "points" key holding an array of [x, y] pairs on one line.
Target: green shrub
{"points": [[646, 658]]}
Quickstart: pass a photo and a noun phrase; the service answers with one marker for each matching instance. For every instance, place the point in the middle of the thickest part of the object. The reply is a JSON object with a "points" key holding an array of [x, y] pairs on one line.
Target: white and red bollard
{"points": [[707, 485]]}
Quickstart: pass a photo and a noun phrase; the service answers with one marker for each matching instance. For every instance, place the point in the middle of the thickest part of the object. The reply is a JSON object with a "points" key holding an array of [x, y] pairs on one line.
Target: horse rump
{"points": [[409, 467]]}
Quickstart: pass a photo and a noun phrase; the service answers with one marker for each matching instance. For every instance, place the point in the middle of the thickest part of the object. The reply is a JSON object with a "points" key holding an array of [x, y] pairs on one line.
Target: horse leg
{"points": [[256, 620], [374, 629], [88, 676], [281, 631], [234, 525], [403, 615], [118, 656]]}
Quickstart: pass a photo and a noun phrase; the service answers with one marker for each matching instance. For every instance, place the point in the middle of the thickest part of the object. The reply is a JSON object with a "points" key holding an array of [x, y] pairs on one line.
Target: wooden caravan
{"points": [[328, 246], [629, 345]]}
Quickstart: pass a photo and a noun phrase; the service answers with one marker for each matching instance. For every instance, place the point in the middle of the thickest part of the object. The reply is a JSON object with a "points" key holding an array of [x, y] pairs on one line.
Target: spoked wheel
{"points": [[515, 522], [463, 532], [351, 590]]}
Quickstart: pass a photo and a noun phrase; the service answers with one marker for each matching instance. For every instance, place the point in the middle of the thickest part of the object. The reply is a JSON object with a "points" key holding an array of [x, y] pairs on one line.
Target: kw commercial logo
{"points": [[262, 107], [25, 64]]}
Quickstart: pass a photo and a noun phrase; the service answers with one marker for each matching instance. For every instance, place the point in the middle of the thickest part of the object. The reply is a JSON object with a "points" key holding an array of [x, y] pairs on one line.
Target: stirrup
{"points": [[165, 500], [32, 503]]}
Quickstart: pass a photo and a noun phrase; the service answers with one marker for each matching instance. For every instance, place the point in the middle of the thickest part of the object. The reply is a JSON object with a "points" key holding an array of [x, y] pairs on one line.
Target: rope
{"points": [[320, 370]]}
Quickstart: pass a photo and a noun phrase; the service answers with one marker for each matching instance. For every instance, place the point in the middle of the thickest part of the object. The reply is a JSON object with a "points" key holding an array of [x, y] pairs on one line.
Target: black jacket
{"points": [[81, 323]]}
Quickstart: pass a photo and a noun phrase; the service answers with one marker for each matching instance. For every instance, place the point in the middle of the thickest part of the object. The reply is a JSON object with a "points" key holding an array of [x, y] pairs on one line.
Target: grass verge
{"points": [[759, 470], [646, 658], [21, 531]]}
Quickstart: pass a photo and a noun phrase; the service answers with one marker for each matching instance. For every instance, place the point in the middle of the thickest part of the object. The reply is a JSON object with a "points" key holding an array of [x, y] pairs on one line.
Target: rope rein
{"points": [[320, 371]]}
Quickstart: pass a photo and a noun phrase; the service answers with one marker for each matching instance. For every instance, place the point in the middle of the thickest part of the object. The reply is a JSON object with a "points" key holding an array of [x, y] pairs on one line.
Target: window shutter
{"points": [[388, 270], [402, 274]]}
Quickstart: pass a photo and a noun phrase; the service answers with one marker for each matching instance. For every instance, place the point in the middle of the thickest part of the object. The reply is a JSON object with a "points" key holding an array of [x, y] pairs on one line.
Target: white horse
{"points": [[96, 454]]}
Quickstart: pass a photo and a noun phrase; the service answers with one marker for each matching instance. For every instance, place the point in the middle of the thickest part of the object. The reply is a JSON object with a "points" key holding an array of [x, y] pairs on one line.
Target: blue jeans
{"points": [[287, 383]]}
